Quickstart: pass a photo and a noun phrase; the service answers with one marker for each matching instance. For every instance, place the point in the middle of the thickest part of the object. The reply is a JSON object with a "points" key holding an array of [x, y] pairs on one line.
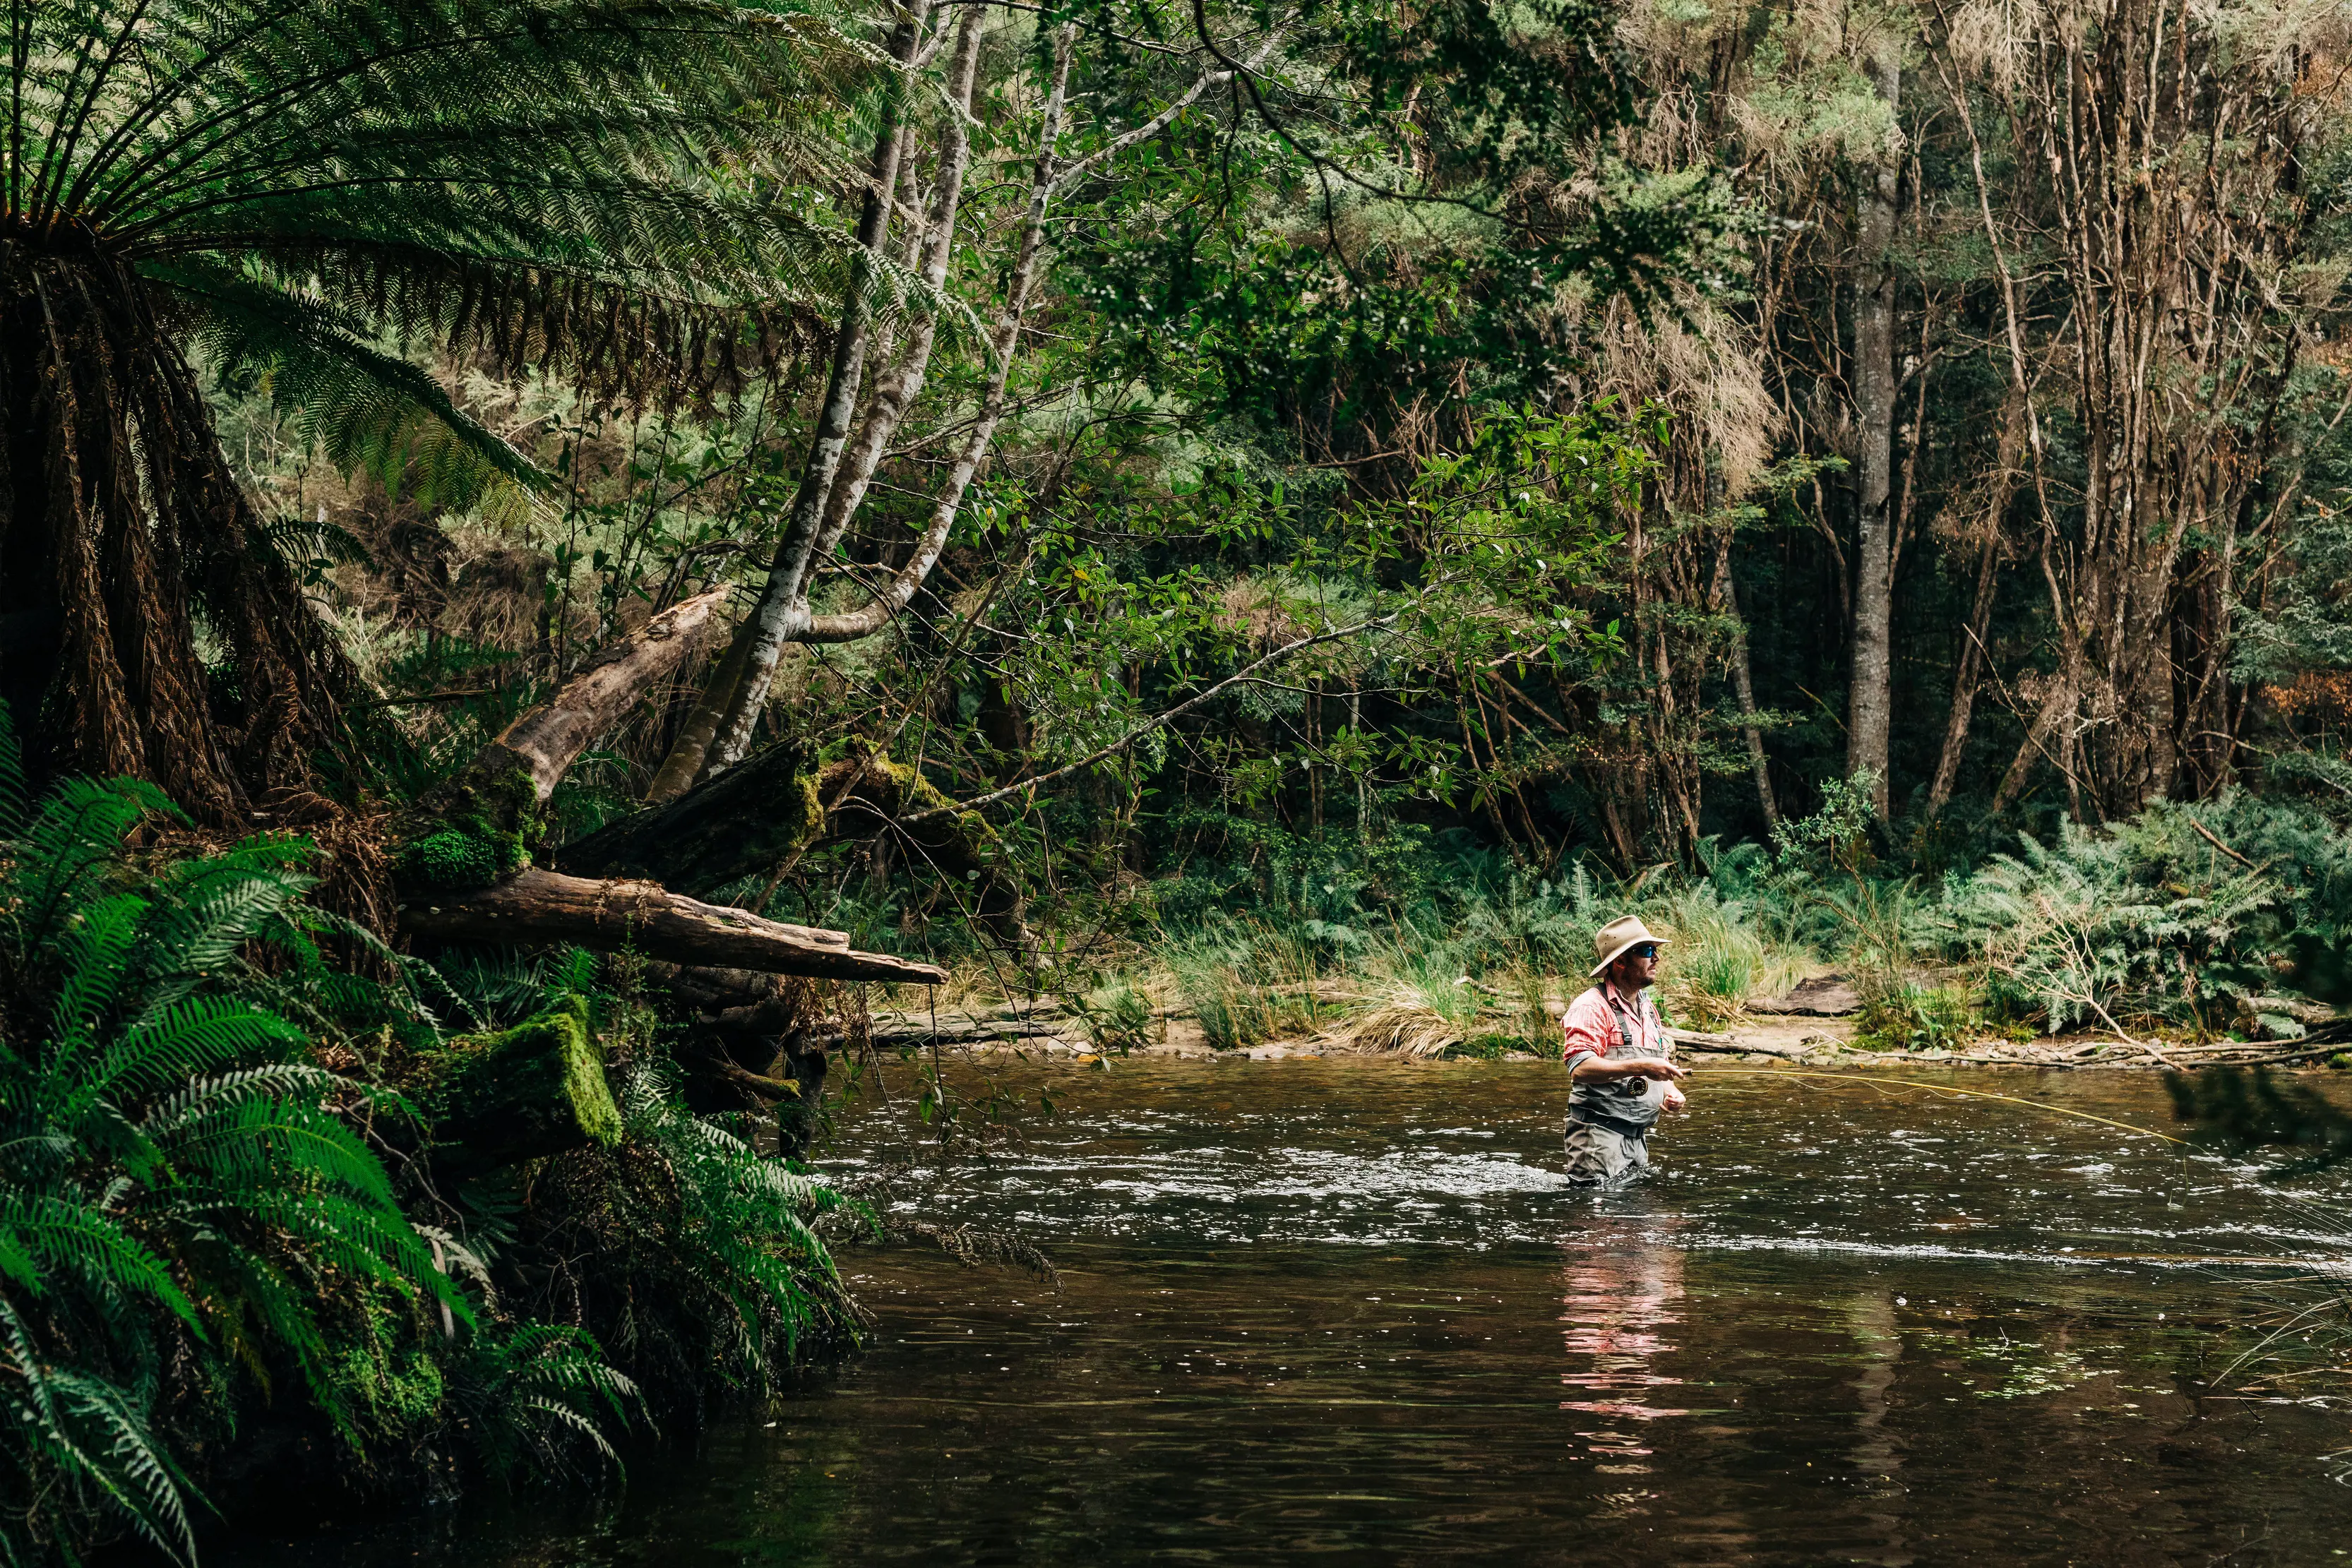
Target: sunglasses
{"points": [[1642, 950]]}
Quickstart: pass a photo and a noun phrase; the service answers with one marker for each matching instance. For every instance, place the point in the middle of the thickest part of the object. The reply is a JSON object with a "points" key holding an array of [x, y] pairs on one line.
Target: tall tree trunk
{"points": [[1868, 708], [773, 626], [1725, 595]]}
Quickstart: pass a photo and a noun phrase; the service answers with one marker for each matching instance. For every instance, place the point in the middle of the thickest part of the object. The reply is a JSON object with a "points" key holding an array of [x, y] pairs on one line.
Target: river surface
{"points": [[1337, 1313]]}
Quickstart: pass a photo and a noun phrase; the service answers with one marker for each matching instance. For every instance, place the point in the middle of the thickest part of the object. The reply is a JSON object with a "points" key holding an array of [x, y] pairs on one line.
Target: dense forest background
{"points": [[1961, 387], [1286, 515]]}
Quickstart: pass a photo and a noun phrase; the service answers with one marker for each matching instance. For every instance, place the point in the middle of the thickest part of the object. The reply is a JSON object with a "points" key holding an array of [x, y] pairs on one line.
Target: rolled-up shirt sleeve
{"points": [[1586, 1030]]}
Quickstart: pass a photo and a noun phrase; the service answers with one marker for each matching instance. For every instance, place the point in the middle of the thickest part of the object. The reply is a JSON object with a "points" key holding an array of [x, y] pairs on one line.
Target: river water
{"points": [[1339, 1313]]}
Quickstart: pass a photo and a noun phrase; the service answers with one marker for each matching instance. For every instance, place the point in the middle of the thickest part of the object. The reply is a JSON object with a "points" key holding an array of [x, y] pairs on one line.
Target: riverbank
{"points": [[1046, 1028]]}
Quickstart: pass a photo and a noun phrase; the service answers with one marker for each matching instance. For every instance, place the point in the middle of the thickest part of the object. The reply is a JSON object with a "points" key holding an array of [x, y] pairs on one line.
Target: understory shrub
{"points": [[2229, 917]]}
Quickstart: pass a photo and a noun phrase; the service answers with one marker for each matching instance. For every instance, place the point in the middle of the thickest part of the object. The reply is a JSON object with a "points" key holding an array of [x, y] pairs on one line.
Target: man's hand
{"points": [[1672, 1099]]}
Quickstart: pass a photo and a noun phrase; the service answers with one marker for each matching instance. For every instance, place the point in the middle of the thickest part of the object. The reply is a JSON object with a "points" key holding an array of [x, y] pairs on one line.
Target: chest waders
{"points": [[1597, 1165]]}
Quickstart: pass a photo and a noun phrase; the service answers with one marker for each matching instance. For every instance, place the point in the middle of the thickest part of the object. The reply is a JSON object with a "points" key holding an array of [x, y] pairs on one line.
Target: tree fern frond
{"points": [[367, 409]]}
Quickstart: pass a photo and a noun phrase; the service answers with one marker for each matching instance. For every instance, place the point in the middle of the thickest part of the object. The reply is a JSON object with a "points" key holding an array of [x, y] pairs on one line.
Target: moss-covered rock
{"points": [[534, 1090]]}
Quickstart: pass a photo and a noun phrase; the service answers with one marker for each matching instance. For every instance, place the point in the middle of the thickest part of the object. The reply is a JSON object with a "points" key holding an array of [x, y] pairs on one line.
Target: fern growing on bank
{"points": [[193, 1232], [172, 1174]]}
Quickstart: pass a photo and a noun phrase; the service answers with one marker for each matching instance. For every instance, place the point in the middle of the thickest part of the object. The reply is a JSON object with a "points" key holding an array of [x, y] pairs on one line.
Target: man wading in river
{"points": [[1618, 1077]]}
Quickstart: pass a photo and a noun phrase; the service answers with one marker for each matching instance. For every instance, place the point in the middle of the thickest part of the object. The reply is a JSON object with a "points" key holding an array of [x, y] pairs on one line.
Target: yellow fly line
{"points": [[1873, 1078]]}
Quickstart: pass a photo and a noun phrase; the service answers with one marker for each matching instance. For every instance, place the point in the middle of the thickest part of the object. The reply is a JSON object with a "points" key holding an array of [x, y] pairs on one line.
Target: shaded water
{"points": [[1339, 1313]]}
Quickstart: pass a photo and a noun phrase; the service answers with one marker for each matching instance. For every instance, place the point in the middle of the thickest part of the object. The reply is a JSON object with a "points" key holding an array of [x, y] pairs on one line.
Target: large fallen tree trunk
{"points": [[751, 818], [463, 869], [643, 917], [751, 1040]]}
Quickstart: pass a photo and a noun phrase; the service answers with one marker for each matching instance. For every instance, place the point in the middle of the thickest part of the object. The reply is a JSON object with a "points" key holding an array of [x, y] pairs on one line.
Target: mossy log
{"points": [[478, 827], [873, 793], [522, 1093], [645, 918]]}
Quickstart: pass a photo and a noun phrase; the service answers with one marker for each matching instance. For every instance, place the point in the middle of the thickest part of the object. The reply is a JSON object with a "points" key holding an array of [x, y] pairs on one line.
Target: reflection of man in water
{"points": [[1625, 1292], [1618, 1077]]}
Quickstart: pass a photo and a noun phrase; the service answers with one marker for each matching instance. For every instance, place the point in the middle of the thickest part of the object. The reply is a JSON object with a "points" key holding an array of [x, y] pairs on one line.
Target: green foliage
{"points": [[1838, 834], [1898, 1013], [482, 835], [699, 1260], [1723, 955], [174, 1177], [2220, 917], [1246, 981], [1117, 1018], [460, 857], [527, 1397], [192, 1227]]}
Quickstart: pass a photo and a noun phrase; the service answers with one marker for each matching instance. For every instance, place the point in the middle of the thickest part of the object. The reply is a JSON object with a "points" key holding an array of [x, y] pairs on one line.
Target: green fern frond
{"points": [[70, 846], [81, 1246], [196, 1036], [367, 410], [87, 1429], [94, 946]]}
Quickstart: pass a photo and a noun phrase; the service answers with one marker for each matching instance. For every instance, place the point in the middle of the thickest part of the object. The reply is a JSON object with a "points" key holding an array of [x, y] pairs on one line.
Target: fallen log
{"points": [[544, 743], [537, 906], [479, 826], [1731, 1046]]}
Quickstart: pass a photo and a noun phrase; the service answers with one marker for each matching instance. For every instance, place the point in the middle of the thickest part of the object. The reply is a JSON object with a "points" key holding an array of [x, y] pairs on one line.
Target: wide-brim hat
{"points": [[1616, 937]]}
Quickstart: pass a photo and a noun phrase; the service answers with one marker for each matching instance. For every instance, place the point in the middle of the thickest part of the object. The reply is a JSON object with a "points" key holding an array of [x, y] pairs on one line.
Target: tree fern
{"points": [[297, 197]]}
